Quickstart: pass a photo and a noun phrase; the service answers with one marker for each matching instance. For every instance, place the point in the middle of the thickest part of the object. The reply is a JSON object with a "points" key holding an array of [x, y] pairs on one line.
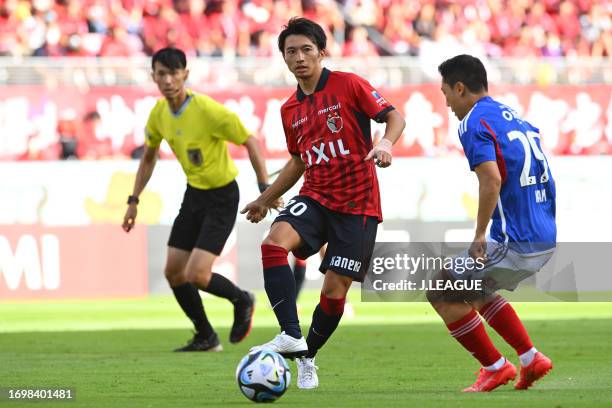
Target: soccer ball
{"points": [[263, 376]]}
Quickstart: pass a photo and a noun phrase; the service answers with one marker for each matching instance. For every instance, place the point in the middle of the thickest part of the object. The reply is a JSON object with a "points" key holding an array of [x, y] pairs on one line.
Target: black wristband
{"points": [[133, 200], [262, 187]]}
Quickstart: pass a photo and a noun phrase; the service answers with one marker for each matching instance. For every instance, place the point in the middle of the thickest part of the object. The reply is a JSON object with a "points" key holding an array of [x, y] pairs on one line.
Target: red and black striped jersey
{"points": [[330, 131]]}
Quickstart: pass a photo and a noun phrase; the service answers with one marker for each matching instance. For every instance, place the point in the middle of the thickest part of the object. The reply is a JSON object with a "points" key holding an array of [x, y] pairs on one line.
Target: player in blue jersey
{"points": [[516, 193]]}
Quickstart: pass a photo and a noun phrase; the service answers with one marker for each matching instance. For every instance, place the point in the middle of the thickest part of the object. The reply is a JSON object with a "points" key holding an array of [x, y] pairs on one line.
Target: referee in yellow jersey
{"points": [[197, 128]]}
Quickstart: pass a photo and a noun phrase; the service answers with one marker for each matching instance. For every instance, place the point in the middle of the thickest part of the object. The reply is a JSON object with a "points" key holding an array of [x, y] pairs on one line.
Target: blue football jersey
{"points": [[525, 214]]}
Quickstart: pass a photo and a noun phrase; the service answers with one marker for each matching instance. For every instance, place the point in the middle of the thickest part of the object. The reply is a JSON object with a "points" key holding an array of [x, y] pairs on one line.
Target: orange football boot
{"points": [[490, 380], [539, 367]]}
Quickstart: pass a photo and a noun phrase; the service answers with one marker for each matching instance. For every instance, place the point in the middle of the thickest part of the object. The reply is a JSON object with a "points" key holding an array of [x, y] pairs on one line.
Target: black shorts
{"points": [[350, 237], [206, 218]]}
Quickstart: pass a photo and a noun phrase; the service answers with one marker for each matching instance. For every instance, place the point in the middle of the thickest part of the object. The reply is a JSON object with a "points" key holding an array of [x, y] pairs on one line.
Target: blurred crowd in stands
{"points": [[501, 29], [120, 28]]}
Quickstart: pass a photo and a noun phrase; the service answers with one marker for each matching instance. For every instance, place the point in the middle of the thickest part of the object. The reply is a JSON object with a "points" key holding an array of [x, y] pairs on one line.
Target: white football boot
{"points": [[285, 345], [307, 373]]}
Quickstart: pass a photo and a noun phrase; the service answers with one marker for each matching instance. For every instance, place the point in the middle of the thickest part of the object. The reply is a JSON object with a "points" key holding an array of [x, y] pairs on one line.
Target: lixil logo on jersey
{"points": [[324, 152], [379, 99]]}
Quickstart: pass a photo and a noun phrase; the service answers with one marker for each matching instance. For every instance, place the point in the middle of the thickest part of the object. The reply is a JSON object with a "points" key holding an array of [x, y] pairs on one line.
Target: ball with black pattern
{"points": [[263, 376]]}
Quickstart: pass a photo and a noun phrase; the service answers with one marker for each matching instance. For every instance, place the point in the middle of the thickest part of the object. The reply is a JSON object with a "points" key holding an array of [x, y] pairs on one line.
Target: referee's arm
{"points": [[257, 159], [145, 170]]}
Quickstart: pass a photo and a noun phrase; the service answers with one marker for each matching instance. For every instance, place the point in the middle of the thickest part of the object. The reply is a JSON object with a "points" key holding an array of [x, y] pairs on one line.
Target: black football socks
{"points": [[280, 288], [190, 301], [220, 286], [325, 320], [299, 272]]}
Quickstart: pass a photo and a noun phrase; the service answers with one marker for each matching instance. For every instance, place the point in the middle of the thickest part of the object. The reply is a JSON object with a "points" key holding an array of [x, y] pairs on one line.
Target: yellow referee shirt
{"points": [[197, 134]]}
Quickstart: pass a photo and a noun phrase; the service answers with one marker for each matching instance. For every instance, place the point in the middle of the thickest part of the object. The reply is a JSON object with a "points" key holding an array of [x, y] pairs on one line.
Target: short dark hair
{"points": [[170, 57], [467, 69], [305, 27]]}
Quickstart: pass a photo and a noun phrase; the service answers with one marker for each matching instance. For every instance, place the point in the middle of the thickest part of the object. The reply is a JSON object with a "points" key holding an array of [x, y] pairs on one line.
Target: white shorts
{"points": [[505, 268]]}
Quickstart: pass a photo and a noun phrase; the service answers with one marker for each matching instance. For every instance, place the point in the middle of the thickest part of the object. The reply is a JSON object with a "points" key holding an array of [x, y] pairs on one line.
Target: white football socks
{"points": [[527, 357], [496, 365]]}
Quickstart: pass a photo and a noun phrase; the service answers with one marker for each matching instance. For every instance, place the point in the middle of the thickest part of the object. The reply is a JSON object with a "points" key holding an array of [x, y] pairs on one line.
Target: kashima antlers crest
{"points": [[334, 122]]}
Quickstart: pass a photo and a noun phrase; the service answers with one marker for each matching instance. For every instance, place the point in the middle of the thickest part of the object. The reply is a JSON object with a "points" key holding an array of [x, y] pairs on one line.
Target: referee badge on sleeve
{"points": [[195, 156]]}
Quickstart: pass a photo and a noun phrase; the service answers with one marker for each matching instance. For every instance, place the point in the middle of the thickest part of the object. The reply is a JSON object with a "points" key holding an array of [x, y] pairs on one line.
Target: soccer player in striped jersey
{"points": [[197, 128], [516, 193], [327, 128]]}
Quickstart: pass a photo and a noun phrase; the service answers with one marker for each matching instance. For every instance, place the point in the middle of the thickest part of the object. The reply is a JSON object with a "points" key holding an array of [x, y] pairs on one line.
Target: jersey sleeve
{"points": [[369, 100], [478, 146], [229, 126], [153, 137]]}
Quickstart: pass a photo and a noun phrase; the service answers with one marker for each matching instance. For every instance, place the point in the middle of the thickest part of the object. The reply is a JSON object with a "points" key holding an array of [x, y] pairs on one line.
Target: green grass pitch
{"points": [[117, 354]]}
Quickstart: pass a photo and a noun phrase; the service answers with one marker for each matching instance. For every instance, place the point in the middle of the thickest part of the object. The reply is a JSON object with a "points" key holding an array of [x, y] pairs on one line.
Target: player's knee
{"points": [[334, 292], [270, 240], [282, 235], [174, 276], [440, 300], [335, 285], [480, 303], [440, 306], [199, 276], [276, 238]]}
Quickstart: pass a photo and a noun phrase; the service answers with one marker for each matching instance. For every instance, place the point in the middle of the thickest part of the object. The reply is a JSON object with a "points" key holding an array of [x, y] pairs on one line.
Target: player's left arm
{"points": [[393, 130], [489, 186], [259, 165], [289, 175], [376, 107]]}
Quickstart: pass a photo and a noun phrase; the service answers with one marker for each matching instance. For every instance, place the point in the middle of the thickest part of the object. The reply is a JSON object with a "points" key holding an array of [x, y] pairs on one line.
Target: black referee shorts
{"points": [[206, 218], [350, 237]]}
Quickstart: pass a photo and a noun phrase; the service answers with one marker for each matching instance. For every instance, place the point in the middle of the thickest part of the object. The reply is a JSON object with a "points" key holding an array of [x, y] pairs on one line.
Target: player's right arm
{"points": [[291, 173], [372, 104], [145, 170], [489, 186], [381, 153]]}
